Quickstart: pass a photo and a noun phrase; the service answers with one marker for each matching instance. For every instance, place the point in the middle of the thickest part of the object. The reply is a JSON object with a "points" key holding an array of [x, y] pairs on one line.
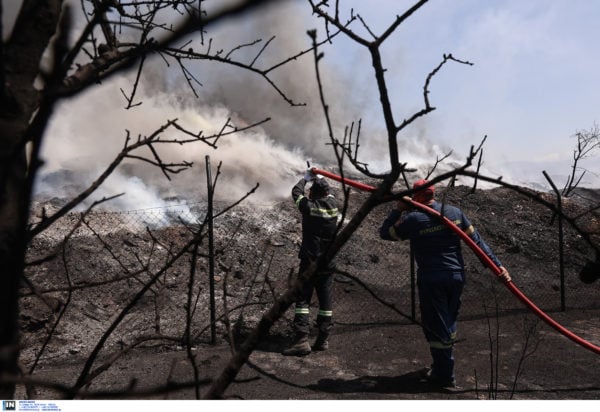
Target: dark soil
{"points": [[377, 349]]}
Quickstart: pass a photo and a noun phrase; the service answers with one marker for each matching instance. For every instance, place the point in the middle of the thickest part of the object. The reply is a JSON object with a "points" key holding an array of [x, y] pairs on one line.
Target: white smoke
{"points": [[87, 132]]}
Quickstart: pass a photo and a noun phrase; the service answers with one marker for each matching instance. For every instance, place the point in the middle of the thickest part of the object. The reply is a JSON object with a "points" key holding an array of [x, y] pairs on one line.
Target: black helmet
{"points": [[320, 187]]}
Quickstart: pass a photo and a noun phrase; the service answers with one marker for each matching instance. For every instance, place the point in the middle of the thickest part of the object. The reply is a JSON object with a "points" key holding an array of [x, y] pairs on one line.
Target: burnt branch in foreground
{"points": [[87, 374], [379, 196], [260, 332], [132, 31], [130, 146], [552, 207]]}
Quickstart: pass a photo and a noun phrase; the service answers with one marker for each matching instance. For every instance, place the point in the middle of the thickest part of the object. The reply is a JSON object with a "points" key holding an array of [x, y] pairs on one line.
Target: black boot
{"points": [[301, 347], [321, 343]]}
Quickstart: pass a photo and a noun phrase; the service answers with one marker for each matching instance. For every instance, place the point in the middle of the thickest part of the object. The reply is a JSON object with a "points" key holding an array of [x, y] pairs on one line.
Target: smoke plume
{"points": [[88, 131]]}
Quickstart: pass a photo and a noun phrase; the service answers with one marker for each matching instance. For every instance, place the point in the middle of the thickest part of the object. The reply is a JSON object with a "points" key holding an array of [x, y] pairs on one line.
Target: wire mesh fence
{"points": [[257, 249]]}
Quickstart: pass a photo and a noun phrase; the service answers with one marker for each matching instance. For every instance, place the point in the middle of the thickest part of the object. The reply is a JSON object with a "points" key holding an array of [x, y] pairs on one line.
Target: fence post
{"points": [[413, 305], [560, 242], [211, 252]]}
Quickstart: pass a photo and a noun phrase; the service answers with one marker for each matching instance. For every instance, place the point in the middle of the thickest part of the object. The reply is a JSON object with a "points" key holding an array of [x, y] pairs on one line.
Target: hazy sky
{"points": [[533, 84]]}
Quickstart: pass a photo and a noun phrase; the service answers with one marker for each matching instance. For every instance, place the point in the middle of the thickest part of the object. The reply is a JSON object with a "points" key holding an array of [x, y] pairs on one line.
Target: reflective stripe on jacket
{"points": [[436, 247], [319, 221]]}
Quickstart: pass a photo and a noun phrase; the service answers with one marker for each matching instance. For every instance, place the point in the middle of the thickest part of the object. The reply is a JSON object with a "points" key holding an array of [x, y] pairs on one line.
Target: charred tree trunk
{"points": [[18, 100]]}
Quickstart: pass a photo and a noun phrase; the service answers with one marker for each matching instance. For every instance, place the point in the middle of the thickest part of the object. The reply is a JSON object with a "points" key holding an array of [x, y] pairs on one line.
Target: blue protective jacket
{"points": [[435, 246]]}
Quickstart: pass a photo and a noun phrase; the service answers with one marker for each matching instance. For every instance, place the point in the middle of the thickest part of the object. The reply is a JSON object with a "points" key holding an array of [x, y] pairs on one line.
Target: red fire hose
{"points": [[481, 254]]}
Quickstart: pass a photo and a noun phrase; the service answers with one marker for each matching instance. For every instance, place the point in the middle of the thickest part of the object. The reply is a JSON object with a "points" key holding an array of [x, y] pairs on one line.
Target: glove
{"points": [[309, 176]]}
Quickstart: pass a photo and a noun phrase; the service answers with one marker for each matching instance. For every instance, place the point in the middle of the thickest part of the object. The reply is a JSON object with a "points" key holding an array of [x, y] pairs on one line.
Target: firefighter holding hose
{"points": [[319, 221], [440, 274], [470, 238]]}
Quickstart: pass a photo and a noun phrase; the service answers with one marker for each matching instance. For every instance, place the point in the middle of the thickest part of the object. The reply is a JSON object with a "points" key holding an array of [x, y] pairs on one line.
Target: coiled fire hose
{"points": [[480, 253]]}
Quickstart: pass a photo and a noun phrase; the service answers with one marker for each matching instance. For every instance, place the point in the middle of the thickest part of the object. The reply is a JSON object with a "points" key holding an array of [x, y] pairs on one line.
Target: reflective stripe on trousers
{"points": [[440, 299], [323, 285]]}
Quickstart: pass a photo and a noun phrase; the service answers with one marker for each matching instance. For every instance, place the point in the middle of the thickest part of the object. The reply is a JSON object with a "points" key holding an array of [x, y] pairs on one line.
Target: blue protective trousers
{"points": [[440, 298]]}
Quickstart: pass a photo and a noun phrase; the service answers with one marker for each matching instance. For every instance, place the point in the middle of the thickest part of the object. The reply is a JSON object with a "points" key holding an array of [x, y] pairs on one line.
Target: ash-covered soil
{"points": [[108, 276]]}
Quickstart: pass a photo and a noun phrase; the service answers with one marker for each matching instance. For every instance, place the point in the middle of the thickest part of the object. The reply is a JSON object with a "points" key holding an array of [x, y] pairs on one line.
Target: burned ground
{"points": [[377, 346]]}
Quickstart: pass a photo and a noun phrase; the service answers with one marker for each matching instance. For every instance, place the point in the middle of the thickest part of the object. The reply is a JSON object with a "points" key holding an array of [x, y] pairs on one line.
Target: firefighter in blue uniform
{"points": [[319, 222], [440, 274]]}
